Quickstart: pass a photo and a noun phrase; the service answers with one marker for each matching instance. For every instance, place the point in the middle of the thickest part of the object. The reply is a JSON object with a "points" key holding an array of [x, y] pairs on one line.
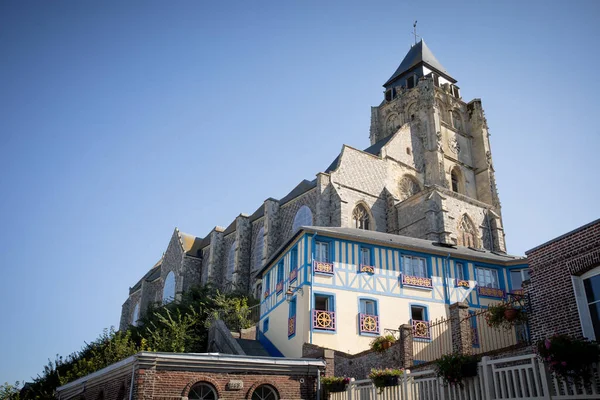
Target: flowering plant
{"points": [[382, 343], [452, 368], [334, 383], [385, 377], [504, 315], [569, 358]]}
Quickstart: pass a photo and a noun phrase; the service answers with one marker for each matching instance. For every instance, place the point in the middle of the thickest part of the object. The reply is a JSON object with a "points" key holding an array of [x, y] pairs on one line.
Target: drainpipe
{"points": [[131, 384], [318, 384], [446, 268], [312, 297]]}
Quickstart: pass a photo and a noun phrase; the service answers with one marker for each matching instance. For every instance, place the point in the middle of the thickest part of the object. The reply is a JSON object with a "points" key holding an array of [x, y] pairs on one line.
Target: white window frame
{"points": [[479, 277], [319, 249], [523, 277], [409, 268], [583, 310]]}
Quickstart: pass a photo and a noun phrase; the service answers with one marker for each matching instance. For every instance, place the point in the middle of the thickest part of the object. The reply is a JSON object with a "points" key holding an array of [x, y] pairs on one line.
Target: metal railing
{"points": [[431, 340]]}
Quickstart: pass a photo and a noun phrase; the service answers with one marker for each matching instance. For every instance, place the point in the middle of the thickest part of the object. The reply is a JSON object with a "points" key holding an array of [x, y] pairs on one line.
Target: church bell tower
{"points": [[451, 151]]}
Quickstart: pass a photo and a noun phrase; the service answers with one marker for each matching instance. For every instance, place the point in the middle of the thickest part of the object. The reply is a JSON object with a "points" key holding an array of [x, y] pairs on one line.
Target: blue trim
{"points": [[474, 325], [331, 307], [514, 268], [425, 315], [330, 248], [373, 292], [371, 254], [265, 327], [376, 301], [269, 346], [499, 270], [292, 313]]}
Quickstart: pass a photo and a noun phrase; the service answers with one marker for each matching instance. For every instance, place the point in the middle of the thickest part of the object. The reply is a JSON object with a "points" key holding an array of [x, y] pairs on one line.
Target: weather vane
{"points": [[415, 31]]}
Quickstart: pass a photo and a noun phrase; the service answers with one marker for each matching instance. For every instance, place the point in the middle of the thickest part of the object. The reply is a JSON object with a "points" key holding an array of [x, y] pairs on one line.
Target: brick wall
{"points": [[173, 385], [554, 309]]}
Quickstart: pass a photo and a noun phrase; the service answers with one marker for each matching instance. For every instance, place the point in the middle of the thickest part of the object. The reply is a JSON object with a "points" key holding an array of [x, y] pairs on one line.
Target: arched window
{"points": [[136, 314], [456, 178], [304, 217], [408, 187], [259, 246], [456, 121], [392, 124], [467, 233], [360, 216], [169, 288], [265, 392], [231, 262], [202, 391], [442, 109]]}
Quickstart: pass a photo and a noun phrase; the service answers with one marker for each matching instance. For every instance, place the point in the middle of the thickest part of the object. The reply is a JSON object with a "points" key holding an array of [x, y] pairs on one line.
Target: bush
{"points": [[495, 316], [568, 358]]}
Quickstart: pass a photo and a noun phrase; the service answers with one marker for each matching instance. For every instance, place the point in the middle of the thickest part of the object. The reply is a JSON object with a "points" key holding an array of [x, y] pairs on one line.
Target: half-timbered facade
{"points": [[340, 287]]}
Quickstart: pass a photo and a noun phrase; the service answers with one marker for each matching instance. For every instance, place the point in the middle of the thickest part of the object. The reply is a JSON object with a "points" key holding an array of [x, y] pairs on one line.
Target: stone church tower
{"points": [[447, 149], [427, 174]]}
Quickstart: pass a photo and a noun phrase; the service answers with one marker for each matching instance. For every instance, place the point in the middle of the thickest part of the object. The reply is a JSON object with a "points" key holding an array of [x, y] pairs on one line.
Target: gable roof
{"points": [[419, 53]]}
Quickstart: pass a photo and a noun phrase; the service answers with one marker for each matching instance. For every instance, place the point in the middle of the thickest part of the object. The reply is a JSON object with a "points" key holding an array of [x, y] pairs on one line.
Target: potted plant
{"points": [[453, 368], [569, 358], [382, 343], [504, 315], [333, 384], [385, 377]]}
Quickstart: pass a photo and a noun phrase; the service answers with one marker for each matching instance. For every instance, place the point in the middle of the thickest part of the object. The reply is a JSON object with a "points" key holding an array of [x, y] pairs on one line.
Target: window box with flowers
{"points": [[453, 368], [385, 377], [333, 384], [570, 359]]}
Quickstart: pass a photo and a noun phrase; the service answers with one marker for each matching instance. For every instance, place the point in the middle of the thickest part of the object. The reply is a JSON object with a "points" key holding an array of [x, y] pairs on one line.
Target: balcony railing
{"points": [[421, 329], [368, 323], [320, 267], [367, 269], [490, 292], [417, 281], [462, 283], [323, 320], [293, 274], [291, 326], [279, 287]]}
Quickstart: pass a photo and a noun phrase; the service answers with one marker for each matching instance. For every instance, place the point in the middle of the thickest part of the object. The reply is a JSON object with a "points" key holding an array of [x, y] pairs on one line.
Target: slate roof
{"points": [[260, 211], [419, 53], [374, 149], [300, 189], [191, 244], [405, 242], [149, 276]]}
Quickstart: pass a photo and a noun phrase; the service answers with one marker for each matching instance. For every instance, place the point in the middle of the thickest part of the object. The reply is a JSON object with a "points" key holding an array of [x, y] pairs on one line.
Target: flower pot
{"points": [[336, 387], [386, 345], [390, 381], [510, 314], [469, 369]]}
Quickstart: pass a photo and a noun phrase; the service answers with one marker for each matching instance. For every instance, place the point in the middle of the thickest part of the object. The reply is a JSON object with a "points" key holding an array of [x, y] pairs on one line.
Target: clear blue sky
{"points": [[121, 120]]}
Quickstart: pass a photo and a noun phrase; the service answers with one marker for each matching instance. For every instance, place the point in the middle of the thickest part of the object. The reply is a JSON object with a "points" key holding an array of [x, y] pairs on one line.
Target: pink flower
{"points": [[547, 343]]}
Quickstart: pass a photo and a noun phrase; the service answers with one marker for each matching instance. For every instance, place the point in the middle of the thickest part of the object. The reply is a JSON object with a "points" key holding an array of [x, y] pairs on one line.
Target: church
{"points": [[427, 174]]}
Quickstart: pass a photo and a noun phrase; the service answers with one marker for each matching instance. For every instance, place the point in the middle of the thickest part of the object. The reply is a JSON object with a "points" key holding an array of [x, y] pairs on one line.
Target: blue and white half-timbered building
{"points": [[340, 287]]}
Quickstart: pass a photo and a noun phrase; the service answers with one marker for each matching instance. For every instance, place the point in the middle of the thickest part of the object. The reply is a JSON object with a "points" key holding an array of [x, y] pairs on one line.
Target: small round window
{"points": [[202, 391], [265, 392]]}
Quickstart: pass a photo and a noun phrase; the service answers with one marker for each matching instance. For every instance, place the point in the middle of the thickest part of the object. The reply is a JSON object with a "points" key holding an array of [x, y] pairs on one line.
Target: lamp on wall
{"points": [[290, 292]]}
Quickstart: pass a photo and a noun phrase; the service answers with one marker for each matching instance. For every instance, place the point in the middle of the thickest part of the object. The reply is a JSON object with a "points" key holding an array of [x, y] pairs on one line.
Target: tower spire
{"points": [[415, 31]]}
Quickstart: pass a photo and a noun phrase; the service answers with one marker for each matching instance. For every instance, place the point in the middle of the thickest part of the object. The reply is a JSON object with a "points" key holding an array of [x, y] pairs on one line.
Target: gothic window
{"points": [[202, 391], [169, 288], [136, 314], [231, 262], [467, 233], [392, 124], [259, 248], [408, 187], [360, 216], [442, 109], [265, 392], [411, 112], [304, 217], [456, 121], [456, 178]]}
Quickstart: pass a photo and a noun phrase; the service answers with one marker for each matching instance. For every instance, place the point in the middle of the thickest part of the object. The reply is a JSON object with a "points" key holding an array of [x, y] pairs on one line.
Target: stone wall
{"points": [[551, 265], [287, 212]]}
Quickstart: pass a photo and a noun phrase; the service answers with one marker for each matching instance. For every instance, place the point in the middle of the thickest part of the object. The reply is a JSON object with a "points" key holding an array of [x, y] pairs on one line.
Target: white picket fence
{"points": [[512, 378]]}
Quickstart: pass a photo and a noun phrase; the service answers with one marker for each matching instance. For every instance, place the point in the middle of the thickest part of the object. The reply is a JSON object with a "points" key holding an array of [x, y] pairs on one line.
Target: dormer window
{"points": [[456, 91], [388, 95], [410, 82]]}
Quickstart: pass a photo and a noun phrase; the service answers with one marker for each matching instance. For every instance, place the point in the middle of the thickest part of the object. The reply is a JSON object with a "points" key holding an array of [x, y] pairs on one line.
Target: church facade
{"points": [[427, 174]]}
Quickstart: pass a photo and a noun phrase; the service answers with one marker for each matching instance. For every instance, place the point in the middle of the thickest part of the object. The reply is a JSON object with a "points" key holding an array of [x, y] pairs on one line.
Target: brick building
{"points": [[198, 376], [427, 174], [564, 286]]}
